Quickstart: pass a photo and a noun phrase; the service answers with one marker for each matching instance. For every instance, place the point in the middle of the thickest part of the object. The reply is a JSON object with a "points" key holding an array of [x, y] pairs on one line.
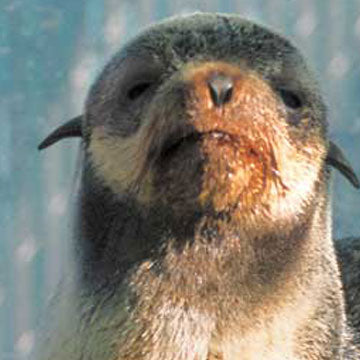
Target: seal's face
{"points": [[230, 128], [233, 129]]}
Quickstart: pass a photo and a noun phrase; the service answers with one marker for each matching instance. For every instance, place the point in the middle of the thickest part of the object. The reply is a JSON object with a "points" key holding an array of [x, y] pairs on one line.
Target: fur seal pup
{"points": [[204, 229]]}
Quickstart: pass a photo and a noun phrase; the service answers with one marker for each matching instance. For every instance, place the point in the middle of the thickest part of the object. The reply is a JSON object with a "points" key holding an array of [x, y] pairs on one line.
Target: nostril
{"points": [[221, 89]]}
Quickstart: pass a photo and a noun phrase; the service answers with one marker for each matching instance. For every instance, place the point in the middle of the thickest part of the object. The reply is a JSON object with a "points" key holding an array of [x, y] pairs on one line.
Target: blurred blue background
{"points": [[50, 52]]}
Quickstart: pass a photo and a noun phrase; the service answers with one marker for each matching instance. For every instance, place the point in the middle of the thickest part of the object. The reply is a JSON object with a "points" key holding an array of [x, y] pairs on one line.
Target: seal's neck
{"points": [[206, 283], [235, 296], [116, 233]]}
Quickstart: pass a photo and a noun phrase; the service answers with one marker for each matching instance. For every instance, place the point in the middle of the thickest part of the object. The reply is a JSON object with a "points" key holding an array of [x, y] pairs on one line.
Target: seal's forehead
{"points": [[213, 37]]}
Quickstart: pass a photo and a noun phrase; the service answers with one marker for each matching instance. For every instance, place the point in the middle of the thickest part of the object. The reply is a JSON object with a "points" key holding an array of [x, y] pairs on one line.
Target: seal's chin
{"points": [[215, 170], [237, 173]]}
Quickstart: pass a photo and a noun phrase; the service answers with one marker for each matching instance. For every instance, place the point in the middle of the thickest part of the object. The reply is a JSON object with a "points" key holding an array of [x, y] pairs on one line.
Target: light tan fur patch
{"points": [[120, 162]]}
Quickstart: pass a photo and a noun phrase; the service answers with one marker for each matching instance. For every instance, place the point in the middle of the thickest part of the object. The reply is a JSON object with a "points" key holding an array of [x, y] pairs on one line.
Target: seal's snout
{"points": [[221, 89]]}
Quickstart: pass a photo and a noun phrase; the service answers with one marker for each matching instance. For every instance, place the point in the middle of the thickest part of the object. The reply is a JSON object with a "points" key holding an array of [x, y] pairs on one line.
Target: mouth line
{"points": [[173, 143]]}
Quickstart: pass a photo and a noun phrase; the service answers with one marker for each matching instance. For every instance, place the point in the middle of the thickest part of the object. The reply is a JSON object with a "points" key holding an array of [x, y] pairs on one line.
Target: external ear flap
{"points": [[336, 158], [70, 129]]}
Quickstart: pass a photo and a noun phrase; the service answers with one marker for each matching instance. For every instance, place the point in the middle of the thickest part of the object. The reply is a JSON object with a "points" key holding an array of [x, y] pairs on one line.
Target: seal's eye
{"points": [[290, 99], [137, 90]]}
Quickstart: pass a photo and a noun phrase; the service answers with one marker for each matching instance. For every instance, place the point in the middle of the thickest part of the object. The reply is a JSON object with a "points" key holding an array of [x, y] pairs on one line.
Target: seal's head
{"points": [[204, 222], [210, 114]]}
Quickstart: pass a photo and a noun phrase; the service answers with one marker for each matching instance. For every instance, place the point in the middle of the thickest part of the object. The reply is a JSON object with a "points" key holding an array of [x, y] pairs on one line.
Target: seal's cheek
{"points": [[301, 166], [120, 163]]}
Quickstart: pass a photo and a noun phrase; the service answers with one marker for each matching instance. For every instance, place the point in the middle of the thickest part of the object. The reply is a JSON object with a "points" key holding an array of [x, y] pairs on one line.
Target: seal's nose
{"points": [[221, 89]]}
